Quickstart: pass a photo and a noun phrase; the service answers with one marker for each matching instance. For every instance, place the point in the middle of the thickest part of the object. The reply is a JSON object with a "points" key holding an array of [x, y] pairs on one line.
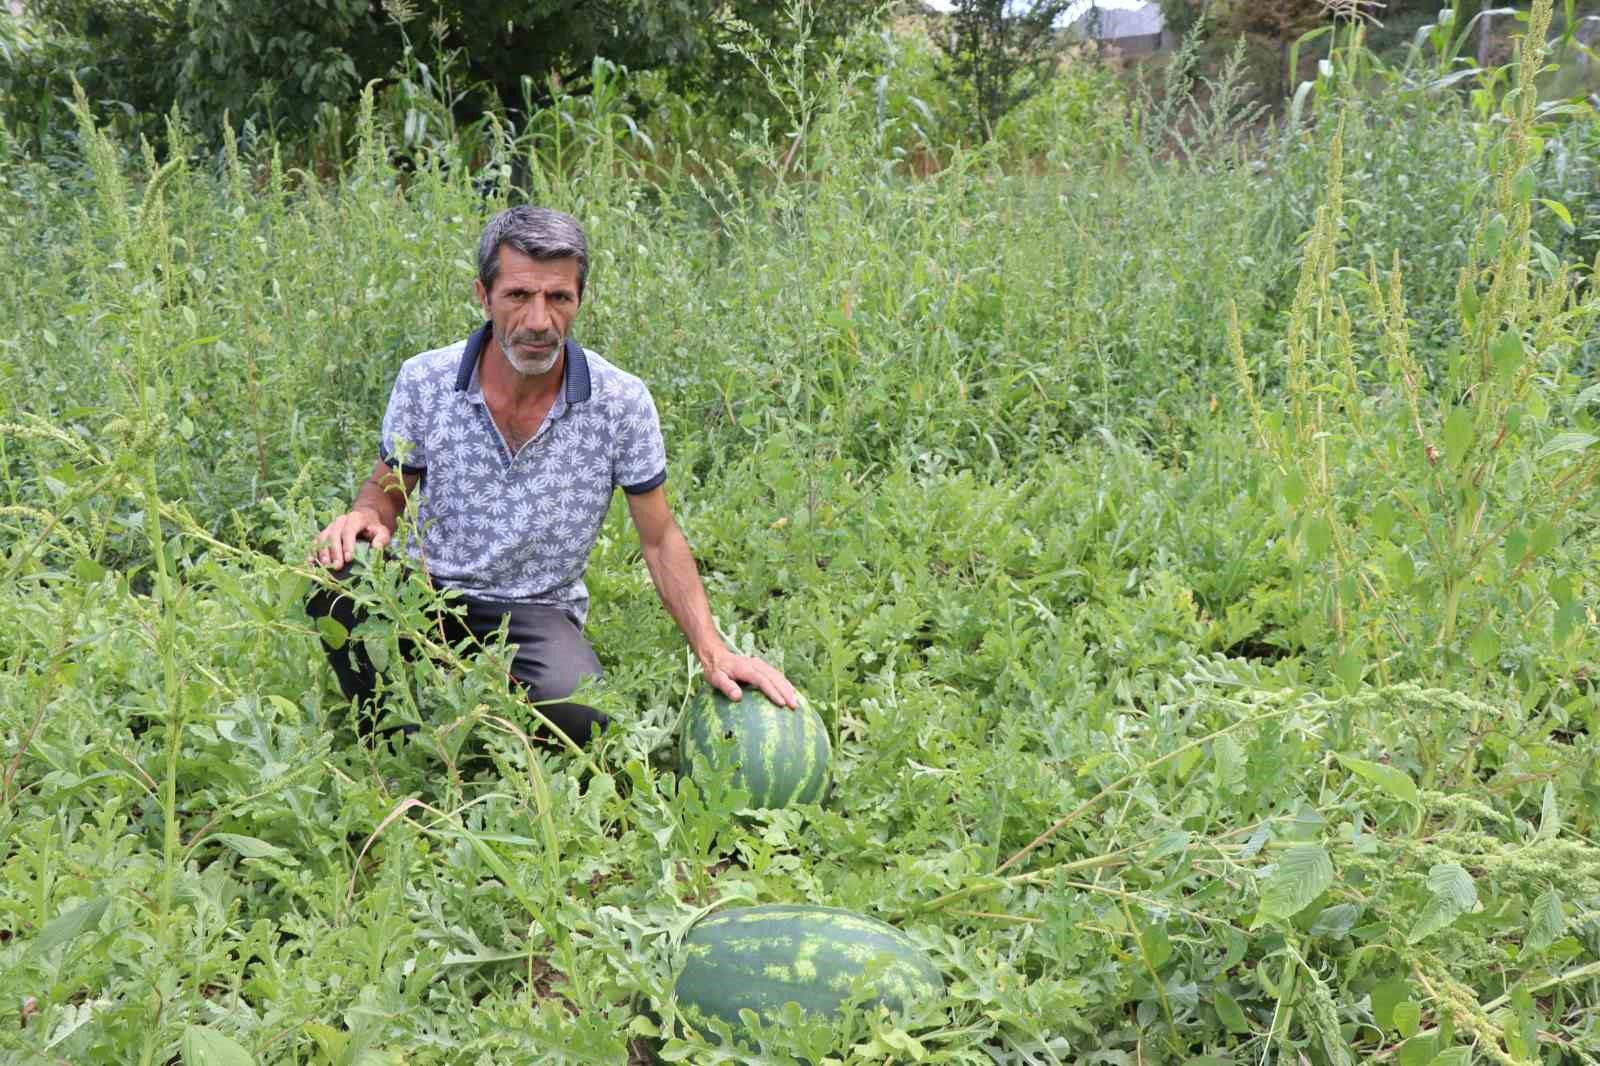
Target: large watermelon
{"points": [[763, 957], [782, 756]]}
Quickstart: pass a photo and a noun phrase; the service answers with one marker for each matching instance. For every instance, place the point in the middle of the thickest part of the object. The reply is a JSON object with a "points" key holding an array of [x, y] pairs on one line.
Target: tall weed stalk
{"points": [[1417, 491]]}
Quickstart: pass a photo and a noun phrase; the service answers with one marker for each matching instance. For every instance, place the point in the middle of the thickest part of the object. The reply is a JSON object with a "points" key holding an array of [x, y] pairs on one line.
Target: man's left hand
{"points": [[725, 670]]}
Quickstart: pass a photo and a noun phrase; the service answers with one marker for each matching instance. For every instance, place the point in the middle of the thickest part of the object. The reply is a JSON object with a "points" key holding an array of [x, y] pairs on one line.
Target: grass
{"points": [[1074, 495]]}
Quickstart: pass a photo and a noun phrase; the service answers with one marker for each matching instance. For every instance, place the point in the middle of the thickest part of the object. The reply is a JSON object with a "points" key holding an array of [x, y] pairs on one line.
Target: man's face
{"points": [[532, 306]]}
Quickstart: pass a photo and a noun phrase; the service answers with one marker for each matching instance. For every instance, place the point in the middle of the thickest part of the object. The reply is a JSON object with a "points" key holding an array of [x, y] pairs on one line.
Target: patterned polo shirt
{"points": [[518, 527]]}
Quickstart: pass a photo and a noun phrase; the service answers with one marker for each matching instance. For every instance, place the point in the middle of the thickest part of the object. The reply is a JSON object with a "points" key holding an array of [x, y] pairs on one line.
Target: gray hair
{"points": [[536, 232]]}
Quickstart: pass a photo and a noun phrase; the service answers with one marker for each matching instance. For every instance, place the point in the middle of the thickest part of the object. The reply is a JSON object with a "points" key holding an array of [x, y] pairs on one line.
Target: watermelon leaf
{"points": [[67, 927]]}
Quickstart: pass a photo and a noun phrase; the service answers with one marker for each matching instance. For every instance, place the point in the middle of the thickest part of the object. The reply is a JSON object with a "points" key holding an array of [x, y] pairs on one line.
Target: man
{"points": [[514, 440]]}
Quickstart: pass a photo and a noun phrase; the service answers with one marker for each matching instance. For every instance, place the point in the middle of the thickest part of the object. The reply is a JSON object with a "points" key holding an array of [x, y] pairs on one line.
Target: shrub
{"points": [[999, 53], [277, 65], [1082, 117]]}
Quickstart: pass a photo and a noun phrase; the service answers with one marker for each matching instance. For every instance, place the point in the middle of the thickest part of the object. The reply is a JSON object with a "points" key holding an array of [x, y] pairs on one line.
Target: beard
{"points": [[529, 366]]}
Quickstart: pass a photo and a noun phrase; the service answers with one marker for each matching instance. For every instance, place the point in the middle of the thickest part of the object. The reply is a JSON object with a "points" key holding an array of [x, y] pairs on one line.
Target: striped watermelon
{"points": [[782, 755], [763, 957]]}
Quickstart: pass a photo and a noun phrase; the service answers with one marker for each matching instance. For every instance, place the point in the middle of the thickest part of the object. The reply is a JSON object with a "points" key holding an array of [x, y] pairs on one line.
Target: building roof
{"points": [[1116, 18]]}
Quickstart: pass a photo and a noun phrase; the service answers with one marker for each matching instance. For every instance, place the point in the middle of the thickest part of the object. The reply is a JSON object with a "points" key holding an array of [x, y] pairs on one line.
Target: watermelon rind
{"points": [[782, 756], [761, 958]]}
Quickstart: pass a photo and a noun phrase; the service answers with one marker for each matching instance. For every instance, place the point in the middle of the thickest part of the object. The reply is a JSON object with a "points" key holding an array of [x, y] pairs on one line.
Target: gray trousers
{"points": [[552, 656]]}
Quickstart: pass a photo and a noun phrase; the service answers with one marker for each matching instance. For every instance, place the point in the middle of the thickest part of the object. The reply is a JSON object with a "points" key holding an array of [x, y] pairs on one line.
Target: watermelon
{"points": [[763, 957], [781, 755]]}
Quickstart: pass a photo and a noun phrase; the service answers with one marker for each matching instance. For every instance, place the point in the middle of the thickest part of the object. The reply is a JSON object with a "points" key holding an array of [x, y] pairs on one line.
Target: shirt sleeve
{"points": [[639, 462], [404, 439]]}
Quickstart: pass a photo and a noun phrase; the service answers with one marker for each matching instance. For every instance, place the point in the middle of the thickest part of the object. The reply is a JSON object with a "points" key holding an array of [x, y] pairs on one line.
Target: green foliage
{"points": [[998, 53], [292, 67], [1480, 468], [959, 440], [1179, 17], [1081, 119], [277, 65], [45, 48]]}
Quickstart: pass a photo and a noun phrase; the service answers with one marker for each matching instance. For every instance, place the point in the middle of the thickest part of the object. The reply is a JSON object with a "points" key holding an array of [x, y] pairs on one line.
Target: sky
{"points": [[1072, 12]]}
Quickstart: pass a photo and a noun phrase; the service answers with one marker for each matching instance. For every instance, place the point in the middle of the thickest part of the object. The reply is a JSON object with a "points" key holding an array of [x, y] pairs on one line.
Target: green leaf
{"points": [[1304, 873], [1457, 432], [1172, 842], [1567, 442], [1470, 304], [1454, 894], [255, 848], [1448, 880], [65, 928], [1230, 760], [1507, 354], [1523, 184], [1549, 814], [1516, 547], [1348, 669], [330, 1041], [895, 1045], [1335, 921], [1544, 538], [1456, 1056], [1566, 622], [1230, 1013], [1383, 519], [1559, 209], [1418, 1052], [1319, 537], [1586, 397], [1385, 998], [1155, 944], [1407, 1018], [1547, 921], [1294, 489], [1547, 259], [333, 633], [1484, 645], [207, 1047], [1402, 569], [1434, 916], [1396, 783], [1493, 233], [87, 570]]}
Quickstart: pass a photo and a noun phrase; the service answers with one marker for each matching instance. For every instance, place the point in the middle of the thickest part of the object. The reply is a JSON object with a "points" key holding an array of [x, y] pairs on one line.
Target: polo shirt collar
{"points": [[576, 371]]}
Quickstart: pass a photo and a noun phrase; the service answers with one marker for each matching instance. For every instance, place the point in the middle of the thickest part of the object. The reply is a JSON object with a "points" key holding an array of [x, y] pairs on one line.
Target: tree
{"points": [[1274, 24], [998, 53], [279, 63], [1180, 16]]}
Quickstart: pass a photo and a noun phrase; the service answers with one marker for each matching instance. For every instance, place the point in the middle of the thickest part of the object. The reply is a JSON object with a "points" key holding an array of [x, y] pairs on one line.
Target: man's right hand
{"points": [[336, 545]]}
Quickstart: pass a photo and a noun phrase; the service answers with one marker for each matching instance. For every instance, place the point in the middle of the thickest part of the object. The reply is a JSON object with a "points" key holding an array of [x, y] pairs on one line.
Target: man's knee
{"points": [[558, 673], [351, 667], [553, 658]]}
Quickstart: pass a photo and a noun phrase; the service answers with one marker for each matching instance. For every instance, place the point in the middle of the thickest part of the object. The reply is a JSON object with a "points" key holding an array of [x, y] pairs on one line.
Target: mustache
{"points": [[532, 337]]}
